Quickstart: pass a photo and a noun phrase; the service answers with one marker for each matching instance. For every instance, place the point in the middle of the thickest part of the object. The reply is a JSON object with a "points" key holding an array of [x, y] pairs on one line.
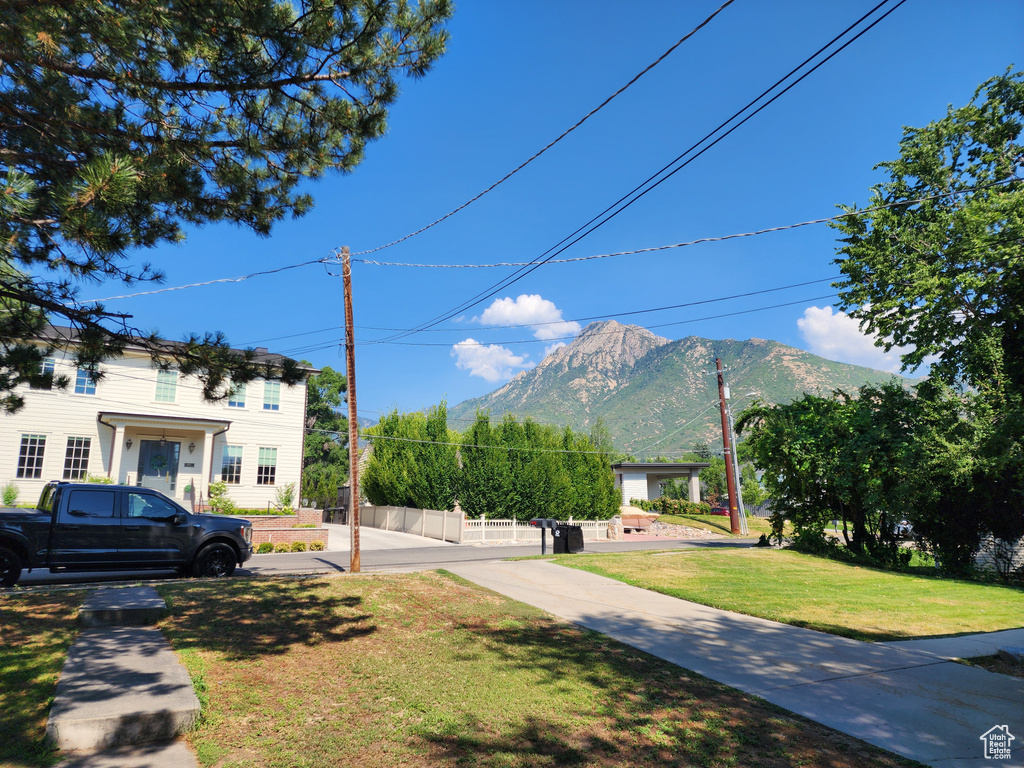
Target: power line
{"points": [[649, 184], [569, 338], [580, 122], [698, 241]]}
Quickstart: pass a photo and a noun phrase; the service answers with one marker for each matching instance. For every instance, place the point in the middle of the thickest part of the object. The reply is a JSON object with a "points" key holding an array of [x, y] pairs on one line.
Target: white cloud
{"points": [[491, 363], [557, 345], [540, 314], [839, 337]]}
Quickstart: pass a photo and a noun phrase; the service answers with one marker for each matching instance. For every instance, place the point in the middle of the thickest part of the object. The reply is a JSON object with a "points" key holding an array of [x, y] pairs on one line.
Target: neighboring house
{"points": [[642, 480], [142, 426]]}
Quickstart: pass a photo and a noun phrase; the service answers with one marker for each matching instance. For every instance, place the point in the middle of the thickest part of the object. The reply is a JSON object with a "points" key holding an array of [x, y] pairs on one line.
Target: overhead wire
{"points": [[650, 184], [563, 135]]}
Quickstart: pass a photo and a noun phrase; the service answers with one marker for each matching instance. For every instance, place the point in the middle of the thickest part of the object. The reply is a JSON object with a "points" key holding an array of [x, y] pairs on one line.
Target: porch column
{"points": [[116, 449], [695, 485], [208, 465]]}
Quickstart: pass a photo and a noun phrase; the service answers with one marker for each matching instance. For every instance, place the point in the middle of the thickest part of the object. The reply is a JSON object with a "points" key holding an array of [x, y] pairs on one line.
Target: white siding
{"points": [[634, 486], [129, 387]]}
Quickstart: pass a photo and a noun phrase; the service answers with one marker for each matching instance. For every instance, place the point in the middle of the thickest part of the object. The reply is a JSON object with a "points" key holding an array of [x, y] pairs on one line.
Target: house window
{"points": [[85, 384], [266, 470], [231, 467], [30, 458], [237, 397], [271, 395], [46, 368], [76, 458], [166, 386]]}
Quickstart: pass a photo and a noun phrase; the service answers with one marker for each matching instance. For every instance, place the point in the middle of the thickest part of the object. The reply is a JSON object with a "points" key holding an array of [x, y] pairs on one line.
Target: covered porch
{"points": [[168, 453], [642, 480]]}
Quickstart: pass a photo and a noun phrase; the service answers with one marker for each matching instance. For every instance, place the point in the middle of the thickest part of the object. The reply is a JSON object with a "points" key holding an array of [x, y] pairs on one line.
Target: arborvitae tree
{"points": [[485, 484], [125, 121], [325, 448]]}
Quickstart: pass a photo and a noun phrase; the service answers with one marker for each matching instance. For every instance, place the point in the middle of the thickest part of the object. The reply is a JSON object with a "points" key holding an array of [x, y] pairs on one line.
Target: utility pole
{"points": [[730, 482], [353, 423]]}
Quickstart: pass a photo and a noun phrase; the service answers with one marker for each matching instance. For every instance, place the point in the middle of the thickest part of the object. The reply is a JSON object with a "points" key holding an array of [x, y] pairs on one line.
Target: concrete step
{"points": [[172, 755], [120, 687], [124, 607]]}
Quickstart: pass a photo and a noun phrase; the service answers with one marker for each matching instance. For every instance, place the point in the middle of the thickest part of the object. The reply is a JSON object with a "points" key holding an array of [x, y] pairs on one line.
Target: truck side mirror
{"points": [[180, 518]]}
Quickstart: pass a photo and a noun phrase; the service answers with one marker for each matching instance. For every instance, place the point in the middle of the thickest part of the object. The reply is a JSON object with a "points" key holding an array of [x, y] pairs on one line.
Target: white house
{"points": [[142, 426]]}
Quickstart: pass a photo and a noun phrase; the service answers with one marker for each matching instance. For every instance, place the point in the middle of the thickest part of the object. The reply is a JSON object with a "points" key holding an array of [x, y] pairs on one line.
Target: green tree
{"points": [[125, 121], [945, 278], [414, 461], [843, 457], [325, 447]]}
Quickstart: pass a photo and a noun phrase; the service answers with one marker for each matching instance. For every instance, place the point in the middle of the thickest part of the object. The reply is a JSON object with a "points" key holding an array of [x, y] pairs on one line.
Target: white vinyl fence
{"points": [[453, 527], [483, 530], [430, 523]]}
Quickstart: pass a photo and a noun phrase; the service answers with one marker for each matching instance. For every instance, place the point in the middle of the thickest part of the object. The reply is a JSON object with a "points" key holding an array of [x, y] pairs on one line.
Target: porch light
{"points": [[128, 444], [163, 439], [191, 447]]}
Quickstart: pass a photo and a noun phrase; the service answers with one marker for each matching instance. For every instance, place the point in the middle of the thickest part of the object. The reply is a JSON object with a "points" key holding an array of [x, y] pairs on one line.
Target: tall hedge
{"points": [[512, 469]]}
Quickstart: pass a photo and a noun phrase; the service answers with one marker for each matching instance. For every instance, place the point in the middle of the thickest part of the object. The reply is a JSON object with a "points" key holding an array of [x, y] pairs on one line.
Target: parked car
{"points": [[90, 527]]}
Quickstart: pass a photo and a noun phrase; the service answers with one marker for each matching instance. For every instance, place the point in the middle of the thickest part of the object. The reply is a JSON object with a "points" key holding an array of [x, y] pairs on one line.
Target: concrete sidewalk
{"points": [[909, 700]]}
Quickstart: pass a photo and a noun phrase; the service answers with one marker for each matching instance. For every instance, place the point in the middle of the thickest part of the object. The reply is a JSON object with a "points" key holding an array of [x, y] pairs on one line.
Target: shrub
{"points": [[283, 547], [285, 496], [298, 546], [265, 548], [10, 495], [99, 479], [317, 546], [305, 525], [219, 501]]}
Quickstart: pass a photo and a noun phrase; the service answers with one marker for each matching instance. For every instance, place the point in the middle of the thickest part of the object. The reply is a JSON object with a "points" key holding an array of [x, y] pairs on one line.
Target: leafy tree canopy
{"points": [[121, 122], [946, 276], [325, 447]]}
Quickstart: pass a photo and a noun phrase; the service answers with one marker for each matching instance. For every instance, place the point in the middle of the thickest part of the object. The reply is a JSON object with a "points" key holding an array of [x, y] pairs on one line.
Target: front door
{"points": [[158, 465]]}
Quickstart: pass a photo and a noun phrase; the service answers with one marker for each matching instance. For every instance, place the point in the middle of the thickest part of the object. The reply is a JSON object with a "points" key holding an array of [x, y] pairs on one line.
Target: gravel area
{"points": [[680, 531]]}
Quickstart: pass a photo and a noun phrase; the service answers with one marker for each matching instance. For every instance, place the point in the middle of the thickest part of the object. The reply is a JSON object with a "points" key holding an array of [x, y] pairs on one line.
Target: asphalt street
{"points": [[395, 559]]}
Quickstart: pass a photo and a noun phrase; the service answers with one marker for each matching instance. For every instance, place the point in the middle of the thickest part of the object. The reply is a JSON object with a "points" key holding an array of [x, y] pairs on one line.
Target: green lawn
{"points": [[814, 592], [36, 630], [428, 670], [717, 523]]}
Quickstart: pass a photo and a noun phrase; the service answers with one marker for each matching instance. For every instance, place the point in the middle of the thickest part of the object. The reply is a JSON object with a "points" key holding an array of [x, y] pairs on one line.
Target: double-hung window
{"points": [[231, 466], [166, 386], [76, 458], [46, 368], [266, 468], [271, 395], [237, 397], [30, 457], [85, 384]]}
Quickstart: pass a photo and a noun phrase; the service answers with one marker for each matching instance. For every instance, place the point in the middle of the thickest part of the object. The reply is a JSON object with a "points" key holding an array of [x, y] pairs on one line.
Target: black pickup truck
{"points": [[90, 527]]}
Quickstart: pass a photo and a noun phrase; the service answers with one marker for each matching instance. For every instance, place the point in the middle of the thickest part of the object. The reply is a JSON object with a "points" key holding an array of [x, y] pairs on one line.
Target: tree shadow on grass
{"points": [[649, 712], [36, 631], [258, 617]]}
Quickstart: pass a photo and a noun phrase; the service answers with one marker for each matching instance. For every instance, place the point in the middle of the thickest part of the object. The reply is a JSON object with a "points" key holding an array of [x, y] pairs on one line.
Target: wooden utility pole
{"points": [[730, 482], [353, 423]]}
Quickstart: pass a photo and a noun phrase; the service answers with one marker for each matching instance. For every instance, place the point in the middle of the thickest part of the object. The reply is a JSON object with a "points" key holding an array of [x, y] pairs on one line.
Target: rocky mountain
{"points": [[656, 395]]}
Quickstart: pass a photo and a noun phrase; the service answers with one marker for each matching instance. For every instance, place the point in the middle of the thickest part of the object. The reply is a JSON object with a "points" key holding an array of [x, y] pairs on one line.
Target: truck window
{"points": [[146, 505], [46, 498], [88, 503]]}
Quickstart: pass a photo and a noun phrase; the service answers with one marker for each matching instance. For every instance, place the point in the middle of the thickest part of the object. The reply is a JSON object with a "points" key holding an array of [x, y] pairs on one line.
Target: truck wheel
{"points": [[215, 560], [10, 567]]}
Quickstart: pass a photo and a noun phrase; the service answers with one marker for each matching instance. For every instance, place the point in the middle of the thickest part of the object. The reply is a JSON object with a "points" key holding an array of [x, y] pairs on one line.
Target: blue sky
{"points": [[516, 75]]}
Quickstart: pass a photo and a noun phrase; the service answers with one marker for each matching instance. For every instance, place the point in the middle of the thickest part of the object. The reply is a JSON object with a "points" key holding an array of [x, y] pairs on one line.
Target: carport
{"points": [[642, 480]]}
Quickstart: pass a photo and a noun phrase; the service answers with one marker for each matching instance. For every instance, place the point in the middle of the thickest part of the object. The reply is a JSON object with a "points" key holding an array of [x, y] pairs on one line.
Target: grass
{"points": [[717, 523], [807, 591], [36, 630], [427, 670]]}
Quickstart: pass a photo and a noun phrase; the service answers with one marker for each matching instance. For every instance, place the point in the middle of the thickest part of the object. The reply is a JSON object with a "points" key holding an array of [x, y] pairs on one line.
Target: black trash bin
{"points": [[558, 540], [568, 539]]}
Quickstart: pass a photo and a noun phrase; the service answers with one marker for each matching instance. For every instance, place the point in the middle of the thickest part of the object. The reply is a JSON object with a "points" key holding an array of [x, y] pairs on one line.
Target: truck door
{"points": [[88, 529], [153, 530]]}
